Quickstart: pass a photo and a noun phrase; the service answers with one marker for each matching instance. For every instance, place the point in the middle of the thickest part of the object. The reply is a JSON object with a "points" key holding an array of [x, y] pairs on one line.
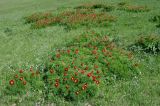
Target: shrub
{"points": [[77, 72], [149, 44]]}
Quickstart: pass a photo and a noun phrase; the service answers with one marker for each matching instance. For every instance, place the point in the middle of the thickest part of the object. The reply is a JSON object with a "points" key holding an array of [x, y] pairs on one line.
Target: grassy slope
{"points": [[21, 45]]}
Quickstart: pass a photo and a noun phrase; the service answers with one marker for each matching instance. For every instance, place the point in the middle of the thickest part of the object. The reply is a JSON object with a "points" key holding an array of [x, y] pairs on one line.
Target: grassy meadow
{"points": [[22, 46]]}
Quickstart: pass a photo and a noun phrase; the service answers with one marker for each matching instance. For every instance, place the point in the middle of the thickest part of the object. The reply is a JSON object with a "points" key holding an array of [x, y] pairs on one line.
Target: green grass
{"points": [[21, 45]]}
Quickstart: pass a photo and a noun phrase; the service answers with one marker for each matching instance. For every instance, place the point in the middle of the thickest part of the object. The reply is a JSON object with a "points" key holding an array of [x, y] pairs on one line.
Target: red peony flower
{"points": [[11, 82]]}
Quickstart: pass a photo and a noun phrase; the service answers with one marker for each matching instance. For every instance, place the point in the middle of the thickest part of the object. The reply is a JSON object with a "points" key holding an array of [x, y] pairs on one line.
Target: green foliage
{"points": [[156, 19], [149, 44]]}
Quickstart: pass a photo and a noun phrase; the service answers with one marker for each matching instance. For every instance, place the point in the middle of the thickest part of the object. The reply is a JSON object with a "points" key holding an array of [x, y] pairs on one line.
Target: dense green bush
{"points": [[78, 71], [149, 44]]}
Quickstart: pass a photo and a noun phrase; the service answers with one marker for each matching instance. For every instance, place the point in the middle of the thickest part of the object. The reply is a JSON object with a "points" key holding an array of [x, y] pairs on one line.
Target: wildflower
{"points": [[51, 71], [77, 92], [56, 85], [24, 82], [76, 73], [66, 69], [20, 71], [89, 74], [16, 76], [94, 52], [95, 66], [58, 55], [11, 82], [86, 68], [93, 78], [75, 67], [76, 51], [72, 78], [82, 72], [68, 51], [21, 78], [97, 82], [65, 74], [76, 80], [57, 80]]}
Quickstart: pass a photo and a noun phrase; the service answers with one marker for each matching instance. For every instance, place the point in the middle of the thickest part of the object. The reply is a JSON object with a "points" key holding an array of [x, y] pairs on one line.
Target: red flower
{"points": [[16, 76], [66, 69], [56, 85], [89, 74], [20, 71], [94, 52], [104, 50], [76, 73], [24, 82], [77, 92], [51, 71], [76, 80], [68, 51], [75, 67], [95, 66], [11, 82], [82, 64], [97, 82], [21, 78], [93, 78], [82, 72], [58, 55], [72, 78], [65, 74], [76, 51], [86, 68], [57, 80]]}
